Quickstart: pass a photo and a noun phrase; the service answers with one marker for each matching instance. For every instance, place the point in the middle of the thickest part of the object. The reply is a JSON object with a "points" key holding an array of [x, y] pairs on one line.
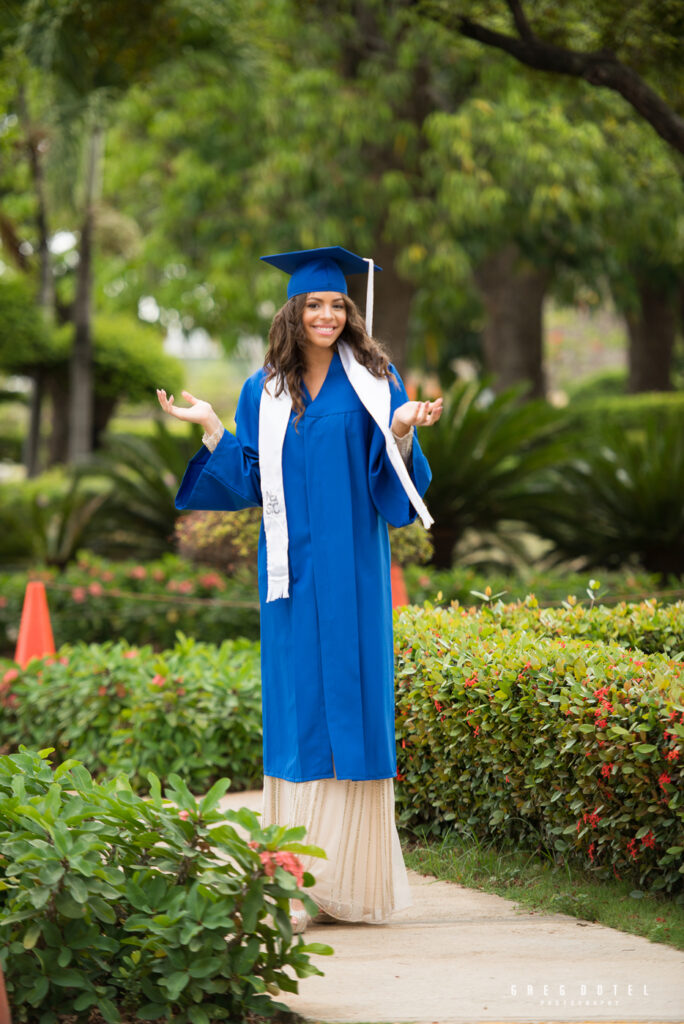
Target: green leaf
{"points": [[175, 983], [77, 887], [211, 800], [108, 1010], [317, 947], [40, 989], [31, 936], [645, 748], [102, 910]]}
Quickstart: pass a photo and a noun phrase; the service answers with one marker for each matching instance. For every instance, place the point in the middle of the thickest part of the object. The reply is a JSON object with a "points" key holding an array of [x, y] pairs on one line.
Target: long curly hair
{"points": [[285, 360]]}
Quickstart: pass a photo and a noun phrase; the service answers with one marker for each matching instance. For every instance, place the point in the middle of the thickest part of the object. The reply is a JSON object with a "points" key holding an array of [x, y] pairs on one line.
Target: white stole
{"points": [[274, 416]]}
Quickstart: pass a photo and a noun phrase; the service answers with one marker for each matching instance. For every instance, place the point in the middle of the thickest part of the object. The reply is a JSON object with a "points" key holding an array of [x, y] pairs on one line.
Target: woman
{"points": [[313, 447]]}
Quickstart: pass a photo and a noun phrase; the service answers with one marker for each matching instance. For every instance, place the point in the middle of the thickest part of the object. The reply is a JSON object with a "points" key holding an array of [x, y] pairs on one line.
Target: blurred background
{"points": [[517, 170]]}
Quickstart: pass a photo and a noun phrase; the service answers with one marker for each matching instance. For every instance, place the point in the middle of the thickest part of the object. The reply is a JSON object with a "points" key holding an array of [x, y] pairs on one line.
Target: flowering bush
{"points": [[94, 599], [462, 583], [153, 908], [195, 709], [649, 626], [573, 744]]}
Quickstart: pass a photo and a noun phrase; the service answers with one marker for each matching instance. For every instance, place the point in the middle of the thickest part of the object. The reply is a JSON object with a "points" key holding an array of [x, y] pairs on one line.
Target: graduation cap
{"points": [[324, 270]]}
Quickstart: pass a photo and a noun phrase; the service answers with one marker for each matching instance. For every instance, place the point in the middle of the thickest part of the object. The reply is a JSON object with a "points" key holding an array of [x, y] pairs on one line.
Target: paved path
{"points": [[460, 956]]}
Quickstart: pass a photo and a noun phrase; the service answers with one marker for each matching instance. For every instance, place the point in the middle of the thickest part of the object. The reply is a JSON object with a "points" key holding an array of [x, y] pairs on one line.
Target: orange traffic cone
{"points": [[35, 631], [399, 591]]}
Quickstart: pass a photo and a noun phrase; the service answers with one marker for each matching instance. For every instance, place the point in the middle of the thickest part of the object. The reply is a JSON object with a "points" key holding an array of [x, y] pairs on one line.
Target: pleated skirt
{"points": [[364, 877]]}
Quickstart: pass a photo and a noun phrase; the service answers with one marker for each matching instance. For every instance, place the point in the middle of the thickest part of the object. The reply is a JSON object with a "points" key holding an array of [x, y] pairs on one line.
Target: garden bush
{"points": [[567, 743], [194, 710], [143, 909], [94, 599], [649, 626], [551, 586]]}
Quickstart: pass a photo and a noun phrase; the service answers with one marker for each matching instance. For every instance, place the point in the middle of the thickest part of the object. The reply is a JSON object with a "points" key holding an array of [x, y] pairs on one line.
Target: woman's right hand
{"points": [[199, 411]]}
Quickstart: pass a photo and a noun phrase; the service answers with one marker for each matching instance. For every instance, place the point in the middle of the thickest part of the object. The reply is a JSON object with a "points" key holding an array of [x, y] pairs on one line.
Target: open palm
{"points": [[198, 412]]}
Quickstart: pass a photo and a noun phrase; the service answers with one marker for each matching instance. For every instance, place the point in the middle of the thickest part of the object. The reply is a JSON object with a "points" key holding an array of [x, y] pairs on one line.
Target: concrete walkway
{"points": [[460, 956]]}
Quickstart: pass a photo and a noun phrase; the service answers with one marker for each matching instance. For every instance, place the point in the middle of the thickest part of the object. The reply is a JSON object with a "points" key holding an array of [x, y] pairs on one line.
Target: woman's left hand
{"points": [[415, 414]]}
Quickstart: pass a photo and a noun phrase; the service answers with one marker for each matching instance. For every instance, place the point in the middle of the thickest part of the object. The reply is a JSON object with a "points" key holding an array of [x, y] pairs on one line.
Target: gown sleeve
{"points": [[227, 478], [389, 497]]}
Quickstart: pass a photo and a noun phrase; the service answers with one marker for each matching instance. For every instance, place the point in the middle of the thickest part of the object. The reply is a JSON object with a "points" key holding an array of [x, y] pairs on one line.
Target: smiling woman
{"points": [[325, 444]]}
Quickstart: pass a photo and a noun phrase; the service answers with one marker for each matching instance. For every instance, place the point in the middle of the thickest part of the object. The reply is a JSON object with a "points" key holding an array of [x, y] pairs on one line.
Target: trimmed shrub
{"points": [[570, 744], [143, 603], [154, 908], [464, 584], [194, 710]]}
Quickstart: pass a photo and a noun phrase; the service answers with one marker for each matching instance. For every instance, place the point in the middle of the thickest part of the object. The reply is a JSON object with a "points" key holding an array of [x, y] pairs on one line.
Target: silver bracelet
{"points": [[211, 440]]}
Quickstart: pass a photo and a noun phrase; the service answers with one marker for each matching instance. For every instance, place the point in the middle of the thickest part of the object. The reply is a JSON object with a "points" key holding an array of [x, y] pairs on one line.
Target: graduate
{"points": [[325, 443]]}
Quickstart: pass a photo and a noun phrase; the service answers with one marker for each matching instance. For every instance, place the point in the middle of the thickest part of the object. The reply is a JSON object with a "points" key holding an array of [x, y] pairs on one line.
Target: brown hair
{"points": [[286, 340]]}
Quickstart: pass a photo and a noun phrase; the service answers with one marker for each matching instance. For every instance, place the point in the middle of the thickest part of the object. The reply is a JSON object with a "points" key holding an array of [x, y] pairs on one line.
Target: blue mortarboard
{"points": [[324, 270]]}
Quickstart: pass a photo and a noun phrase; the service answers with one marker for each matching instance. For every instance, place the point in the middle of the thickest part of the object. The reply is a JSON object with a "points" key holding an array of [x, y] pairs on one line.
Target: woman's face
{"points": [[323, 318]]}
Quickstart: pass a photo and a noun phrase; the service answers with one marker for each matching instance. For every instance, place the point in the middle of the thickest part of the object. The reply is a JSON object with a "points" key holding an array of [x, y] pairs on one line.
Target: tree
{"points": [[607, 43], [511, 195], [336, 104], [86, 52]]}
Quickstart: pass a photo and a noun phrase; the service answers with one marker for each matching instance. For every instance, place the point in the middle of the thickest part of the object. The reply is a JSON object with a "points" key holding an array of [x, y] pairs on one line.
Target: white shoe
{"points": [[300, 921]]}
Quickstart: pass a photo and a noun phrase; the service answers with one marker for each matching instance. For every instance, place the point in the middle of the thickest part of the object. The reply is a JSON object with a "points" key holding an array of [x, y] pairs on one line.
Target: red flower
{"points": [[266, 858], [672, 755], [290, 862], [96, 589], [253, 844], [130, 654], [184, 815], [102, 691], [10, 675], [607, 768], [3, 602], [181, 691], [158, 680], [78, 594], [438, 705], [139, 572], [476, 730], [664, 779], [590, 851], [400, 777], [648, 840], [632, 848]]}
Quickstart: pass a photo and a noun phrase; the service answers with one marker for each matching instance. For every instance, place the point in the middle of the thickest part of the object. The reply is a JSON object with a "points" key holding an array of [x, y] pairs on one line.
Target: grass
{"points": [[537, 882]]}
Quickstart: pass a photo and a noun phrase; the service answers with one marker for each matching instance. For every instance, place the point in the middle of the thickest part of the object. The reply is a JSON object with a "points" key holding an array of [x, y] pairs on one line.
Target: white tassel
{"points": [[370, 296]]}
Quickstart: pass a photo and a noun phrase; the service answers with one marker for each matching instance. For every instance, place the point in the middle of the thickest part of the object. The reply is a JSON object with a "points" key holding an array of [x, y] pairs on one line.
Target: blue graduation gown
{"points": [[327, 660]]}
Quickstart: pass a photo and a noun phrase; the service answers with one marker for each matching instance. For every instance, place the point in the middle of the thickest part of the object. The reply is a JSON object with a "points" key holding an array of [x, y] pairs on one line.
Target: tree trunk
{"points": [[32, 442], [104, 410], [81, 375], [652, 332], [46, 291], [57, 386], [512, 292]]}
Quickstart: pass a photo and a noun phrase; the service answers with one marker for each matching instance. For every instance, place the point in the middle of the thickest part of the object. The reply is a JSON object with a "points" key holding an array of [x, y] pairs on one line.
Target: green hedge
{"points": [[194, 710], [142, 909], [570, 743], [624, 411], [95, 599], [649, 626], [464, 584]]}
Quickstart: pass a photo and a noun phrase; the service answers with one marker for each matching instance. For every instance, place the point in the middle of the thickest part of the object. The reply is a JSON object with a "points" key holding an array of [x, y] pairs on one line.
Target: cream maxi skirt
{"points": [[364, 877]]}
